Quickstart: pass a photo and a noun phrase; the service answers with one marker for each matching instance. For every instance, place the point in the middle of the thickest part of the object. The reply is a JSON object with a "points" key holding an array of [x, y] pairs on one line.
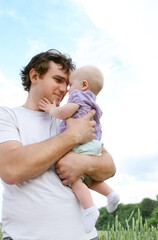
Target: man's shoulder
{"points": [[7, 110], [6, 115], [4, 108]]}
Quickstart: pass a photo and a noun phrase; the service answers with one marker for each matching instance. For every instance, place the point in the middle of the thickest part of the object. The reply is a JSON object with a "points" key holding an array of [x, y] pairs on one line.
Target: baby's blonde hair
{"points": [[93, 76]]}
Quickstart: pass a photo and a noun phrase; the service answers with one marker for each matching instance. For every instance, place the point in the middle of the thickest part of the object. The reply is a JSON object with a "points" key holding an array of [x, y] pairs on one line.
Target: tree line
{"points": [[148, 210]]}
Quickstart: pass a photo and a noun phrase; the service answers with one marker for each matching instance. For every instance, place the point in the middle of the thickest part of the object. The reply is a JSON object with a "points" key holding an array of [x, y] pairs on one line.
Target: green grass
{"points": [[135, 231], [0, 234]]}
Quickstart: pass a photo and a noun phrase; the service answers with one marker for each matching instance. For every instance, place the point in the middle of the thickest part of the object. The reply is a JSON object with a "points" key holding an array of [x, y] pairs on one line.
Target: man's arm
{"points": [[72, 166], [102, 168], [20, 163]]}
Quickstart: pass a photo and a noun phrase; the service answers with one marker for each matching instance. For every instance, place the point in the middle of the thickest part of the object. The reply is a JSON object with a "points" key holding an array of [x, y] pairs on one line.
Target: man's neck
{"points": [[31, 104]]}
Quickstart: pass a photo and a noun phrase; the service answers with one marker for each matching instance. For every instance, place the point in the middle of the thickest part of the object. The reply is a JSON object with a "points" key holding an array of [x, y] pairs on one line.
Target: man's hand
{"points": [[82, 127], [70, 168]]}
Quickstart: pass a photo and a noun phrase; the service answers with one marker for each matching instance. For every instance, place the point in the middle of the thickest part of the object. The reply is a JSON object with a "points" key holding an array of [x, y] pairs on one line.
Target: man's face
{"points": [[53, 84]]}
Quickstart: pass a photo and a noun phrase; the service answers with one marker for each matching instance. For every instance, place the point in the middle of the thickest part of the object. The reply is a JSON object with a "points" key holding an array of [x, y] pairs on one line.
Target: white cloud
{"points": [[10, 94], [133, 25], [130, 190], [130, 123]]}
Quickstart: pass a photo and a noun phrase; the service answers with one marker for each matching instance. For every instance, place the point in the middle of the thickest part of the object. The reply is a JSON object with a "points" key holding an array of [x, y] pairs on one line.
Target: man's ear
{"points": [[33, 76], [85, 85]]}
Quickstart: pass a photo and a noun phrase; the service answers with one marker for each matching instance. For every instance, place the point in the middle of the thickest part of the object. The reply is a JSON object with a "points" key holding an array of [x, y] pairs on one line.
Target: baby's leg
{"points": [[91, 212], [112, 196], [82, 193]]}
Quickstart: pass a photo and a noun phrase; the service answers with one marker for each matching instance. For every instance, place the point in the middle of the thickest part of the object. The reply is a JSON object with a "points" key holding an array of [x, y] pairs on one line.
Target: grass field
{"points": [[135, 231]]}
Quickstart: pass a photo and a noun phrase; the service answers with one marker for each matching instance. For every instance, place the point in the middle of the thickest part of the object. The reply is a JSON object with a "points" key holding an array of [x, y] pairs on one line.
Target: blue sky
{"points": [[32, 26], [119, 37]]}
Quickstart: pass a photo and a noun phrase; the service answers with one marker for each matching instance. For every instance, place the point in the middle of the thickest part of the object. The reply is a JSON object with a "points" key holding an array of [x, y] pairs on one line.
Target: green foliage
{"points": [[147, 206], [0, 234], [136, 231], [123, 212], [153, 221]]}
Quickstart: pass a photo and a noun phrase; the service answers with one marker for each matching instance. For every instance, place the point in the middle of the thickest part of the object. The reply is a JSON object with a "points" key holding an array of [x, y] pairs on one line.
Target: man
{"points": [[36, 163]]}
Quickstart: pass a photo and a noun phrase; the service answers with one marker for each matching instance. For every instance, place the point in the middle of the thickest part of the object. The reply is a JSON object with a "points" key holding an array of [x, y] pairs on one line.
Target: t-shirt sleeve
{"points": [[8, 129]]}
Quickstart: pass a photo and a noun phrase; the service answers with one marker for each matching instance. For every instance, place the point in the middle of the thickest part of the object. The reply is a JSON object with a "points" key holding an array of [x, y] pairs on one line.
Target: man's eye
{"points": [[58, 80]]}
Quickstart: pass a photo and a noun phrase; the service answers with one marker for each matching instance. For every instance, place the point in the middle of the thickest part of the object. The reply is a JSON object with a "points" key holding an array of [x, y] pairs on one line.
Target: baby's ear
{"points": [[85, 85], [33, 76]]}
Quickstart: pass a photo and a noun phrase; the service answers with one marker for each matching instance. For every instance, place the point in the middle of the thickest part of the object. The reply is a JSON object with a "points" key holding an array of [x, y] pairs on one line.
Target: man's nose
{"points": [[63, 87]]}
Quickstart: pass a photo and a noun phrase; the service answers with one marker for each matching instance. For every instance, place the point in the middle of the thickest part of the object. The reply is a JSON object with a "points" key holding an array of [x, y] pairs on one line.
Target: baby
{"points": [[85, 84]]}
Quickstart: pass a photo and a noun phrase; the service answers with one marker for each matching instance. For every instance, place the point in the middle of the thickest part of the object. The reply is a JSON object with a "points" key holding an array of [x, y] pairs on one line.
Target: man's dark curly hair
{"points": [[40, 63]]}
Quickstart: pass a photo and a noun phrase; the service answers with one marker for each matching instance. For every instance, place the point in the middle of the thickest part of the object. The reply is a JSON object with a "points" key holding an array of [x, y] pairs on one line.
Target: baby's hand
{"points": [[46, 106]]}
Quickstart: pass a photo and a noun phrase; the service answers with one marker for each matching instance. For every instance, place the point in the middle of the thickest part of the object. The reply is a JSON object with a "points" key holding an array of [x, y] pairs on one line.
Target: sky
{"points": [[118, 37]]}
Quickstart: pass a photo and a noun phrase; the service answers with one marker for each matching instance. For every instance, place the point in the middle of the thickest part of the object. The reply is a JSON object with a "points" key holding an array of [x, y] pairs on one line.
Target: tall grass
{"points": [[135, 231], [0, 234]]}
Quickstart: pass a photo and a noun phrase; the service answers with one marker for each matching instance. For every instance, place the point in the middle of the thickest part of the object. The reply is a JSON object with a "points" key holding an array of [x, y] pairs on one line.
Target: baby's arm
{"points": [[63, 112]]}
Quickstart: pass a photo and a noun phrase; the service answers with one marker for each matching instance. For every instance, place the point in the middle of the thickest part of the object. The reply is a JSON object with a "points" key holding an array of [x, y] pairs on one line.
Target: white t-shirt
{"points": [[41, 208]]}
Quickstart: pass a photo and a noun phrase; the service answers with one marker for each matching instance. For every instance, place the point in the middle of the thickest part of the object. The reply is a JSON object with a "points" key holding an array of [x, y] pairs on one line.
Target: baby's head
{"points": [[86, 78]]}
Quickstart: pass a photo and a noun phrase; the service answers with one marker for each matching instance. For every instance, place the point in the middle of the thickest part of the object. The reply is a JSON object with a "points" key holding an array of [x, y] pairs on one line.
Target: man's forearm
{"points": [[23, 163], [101, 167], [73, 165]]}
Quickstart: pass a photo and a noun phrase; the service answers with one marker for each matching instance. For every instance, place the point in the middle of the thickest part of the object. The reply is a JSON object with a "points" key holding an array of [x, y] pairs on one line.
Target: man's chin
{"points": [[58, 103]]}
